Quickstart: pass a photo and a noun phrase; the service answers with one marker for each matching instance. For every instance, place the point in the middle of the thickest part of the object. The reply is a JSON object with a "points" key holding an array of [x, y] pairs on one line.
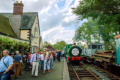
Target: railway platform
{"points": [[59, 72]]}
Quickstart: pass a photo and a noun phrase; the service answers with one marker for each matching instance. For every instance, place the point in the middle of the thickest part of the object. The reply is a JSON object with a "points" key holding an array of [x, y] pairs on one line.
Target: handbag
{"points": [[11, 70]]}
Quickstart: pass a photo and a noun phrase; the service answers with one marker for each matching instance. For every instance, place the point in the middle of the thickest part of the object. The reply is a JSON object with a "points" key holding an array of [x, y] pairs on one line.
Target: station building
{"points": [[22, 25]]}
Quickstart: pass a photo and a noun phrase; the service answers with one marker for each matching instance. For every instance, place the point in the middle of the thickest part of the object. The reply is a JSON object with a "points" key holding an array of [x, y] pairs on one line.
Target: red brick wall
{"points": [[18, 8]]}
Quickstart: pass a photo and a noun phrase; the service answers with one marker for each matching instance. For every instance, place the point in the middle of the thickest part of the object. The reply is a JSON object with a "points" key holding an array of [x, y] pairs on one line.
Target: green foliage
{"points": [[59, 45], [94, 8], [46, 44], [13, 44], [88, 31], [105, 15]]}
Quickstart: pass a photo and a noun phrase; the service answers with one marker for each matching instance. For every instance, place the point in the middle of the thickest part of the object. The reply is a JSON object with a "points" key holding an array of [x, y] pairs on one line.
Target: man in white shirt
{"points": [[35, 63]]}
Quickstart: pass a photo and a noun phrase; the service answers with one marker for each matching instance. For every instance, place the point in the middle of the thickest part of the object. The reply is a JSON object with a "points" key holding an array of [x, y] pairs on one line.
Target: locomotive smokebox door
{"points": [[75, 51]]}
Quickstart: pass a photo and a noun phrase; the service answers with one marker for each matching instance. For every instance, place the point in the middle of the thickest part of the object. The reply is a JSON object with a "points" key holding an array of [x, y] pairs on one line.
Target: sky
{"points": [[57, 22]]}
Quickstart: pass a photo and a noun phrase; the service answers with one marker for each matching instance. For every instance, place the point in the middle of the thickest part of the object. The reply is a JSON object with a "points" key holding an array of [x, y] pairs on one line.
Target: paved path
{"points": [[55, 74]]}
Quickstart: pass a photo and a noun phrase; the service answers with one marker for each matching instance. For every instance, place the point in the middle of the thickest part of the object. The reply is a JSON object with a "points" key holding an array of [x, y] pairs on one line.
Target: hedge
{"points": [[13, 44]]}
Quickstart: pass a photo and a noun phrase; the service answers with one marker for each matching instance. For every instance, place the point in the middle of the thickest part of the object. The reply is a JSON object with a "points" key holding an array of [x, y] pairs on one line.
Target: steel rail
{"points": [[75, 73], [111, 75], [83, 74]]}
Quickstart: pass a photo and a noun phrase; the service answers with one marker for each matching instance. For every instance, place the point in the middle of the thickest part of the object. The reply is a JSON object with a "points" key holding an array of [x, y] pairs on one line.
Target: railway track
{"points": [[109, 75], [78, 72]]}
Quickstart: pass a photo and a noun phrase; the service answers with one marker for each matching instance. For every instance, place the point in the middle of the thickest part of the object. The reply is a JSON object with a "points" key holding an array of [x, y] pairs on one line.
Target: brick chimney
{"points": [[18, 8]]}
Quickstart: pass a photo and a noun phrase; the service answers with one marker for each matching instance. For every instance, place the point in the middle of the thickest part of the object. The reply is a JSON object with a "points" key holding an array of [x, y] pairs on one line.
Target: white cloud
{"points": [[59, 33], [53, 19], [76, 3], [56, 16], [29, 5], [70, 18]]}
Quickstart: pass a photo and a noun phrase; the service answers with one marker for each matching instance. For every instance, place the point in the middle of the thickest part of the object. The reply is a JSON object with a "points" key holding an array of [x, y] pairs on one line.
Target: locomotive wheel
{"points": [[75, 51]]}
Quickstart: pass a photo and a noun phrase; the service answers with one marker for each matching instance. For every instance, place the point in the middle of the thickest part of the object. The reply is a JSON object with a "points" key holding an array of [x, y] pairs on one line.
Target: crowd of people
{"points": [[11, 63], [45, 59]]}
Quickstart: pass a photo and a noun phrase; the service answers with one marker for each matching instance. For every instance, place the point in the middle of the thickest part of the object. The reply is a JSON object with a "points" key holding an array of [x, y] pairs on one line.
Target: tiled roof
{"points": [[5, 26], [27, 20], [20, 22]]}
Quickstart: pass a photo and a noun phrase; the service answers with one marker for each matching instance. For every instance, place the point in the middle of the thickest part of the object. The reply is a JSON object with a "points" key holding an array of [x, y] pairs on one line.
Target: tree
{"points": [[92, 32], [107, 14], [60, 45], [88, 32], [47, 44]]}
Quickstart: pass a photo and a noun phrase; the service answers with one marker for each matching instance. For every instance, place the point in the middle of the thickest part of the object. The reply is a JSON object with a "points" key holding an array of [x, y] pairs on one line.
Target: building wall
{"points": [[24, 34], [35, 35], [41, 42]]}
